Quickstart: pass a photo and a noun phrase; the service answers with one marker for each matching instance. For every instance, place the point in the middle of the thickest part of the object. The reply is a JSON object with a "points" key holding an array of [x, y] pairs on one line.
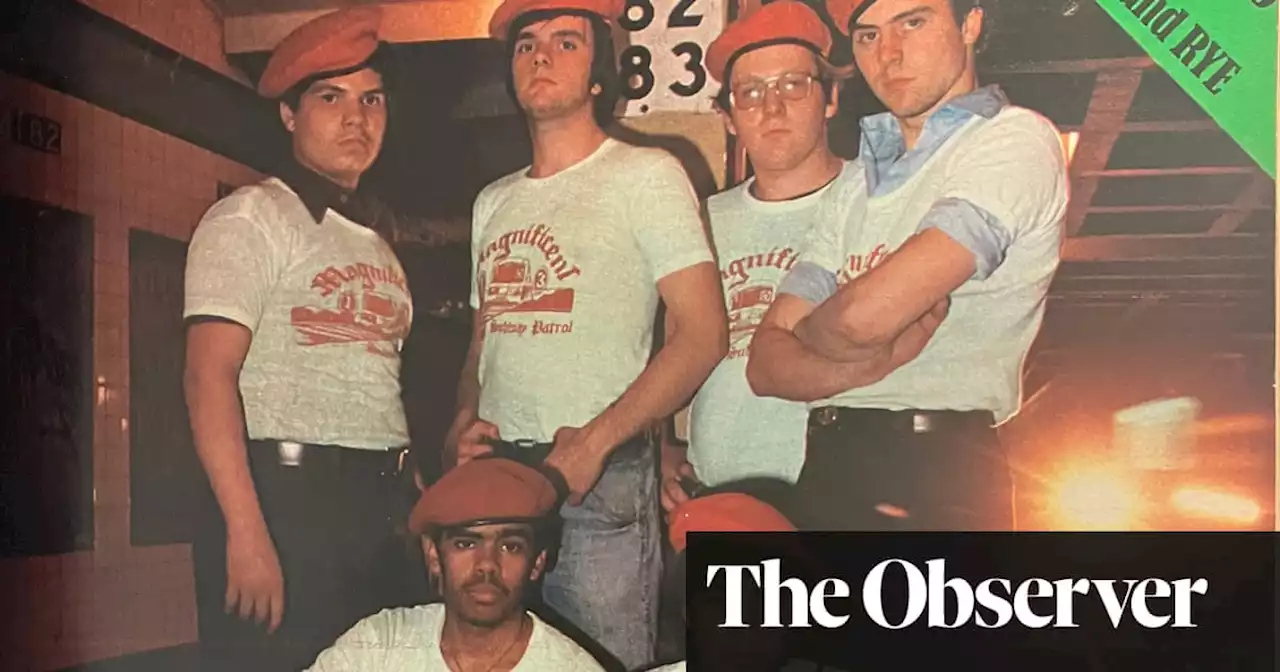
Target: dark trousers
{"points": [[879, 470], [331, 519]]}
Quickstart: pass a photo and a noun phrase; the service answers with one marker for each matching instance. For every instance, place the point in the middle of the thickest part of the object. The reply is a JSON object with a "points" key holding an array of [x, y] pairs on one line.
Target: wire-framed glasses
{"points": [[789, 86]]}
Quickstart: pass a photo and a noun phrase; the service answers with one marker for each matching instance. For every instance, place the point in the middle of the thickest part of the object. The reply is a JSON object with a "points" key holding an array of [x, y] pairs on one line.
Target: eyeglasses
{"points": [[790, 86]]}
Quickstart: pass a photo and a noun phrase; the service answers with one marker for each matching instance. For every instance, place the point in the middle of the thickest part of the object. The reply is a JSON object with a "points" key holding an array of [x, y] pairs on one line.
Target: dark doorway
{"points": [[46, 380]]}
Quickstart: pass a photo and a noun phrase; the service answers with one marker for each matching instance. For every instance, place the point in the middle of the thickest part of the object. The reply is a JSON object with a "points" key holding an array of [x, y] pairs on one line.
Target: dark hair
{"points": [[379, 61], [824, 74], [960, 9], [604, 66]]}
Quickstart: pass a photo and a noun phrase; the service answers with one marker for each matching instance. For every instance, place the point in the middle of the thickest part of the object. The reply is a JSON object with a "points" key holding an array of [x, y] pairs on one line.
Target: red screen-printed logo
{"points": [[525, 271], [360, 303]]}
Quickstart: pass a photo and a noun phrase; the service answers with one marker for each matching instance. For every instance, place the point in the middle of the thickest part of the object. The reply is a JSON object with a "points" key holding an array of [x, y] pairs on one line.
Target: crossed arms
{"points": [[817, 340], [809, 348]]}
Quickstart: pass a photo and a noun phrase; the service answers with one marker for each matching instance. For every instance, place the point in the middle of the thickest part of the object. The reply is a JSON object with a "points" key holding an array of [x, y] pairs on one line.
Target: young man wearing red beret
{"points": [[571, 257], [953, 226], [728, 510], [486, 528], [297, 310], [778, 93]]}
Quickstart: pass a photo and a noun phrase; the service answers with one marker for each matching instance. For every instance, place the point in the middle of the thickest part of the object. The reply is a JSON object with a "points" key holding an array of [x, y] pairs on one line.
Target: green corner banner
{"points": [[1222, 53]]}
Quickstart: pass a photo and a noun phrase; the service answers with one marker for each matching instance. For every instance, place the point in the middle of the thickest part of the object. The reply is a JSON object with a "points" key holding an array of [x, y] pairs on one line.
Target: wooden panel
{"points": [[1162, 247], [46, 382], [72, 49], [432, 20], [163, 467]]}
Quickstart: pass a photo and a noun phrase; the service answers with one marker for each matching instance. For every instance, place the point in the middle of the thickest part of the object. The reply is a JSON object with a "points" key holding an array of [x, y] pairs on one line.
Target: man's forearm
{"points": [[832, 332], [468, 403], [781, 366], [672, 377], [217, 425], [825, 334]]}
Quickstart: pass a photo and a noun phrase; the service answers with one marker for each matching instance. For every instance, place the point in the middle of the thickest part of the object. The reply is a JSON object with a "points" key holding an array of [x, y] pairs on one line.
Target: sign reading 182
{"points": [[662, 69]]}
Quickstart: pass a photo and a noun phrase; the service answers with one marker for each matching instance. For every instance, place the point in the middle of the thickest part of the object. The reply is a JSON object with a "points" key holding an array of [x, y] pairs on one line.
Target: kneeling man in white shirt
{"points": [[484, 528]]}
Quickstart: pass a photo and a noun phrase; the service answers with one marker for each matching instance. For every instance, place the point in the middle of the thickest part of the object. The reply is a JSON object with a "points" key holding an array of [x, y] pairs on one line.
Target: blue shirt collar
{"points": [[882, 143]]}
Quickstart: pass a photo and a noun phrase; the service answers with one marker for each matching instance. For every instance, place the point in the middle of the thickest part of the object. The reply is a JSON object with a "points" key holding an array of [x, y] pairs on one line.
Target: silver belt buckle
{"points": [[921, 423], [290, 453]]}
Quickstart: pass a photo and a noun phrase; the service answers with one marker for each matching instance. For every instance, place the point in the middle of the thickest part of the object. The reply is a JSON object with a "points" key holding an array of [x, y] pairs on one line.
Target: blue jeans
{"points": [[606, 579]]}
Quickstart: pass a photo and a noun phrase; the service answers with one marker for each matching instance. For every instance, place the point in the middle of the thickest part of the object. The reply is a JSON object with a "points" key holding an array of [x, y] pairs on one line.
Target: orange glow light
{"points": [[1069, 142], [1215, 505], [1094, 499]]}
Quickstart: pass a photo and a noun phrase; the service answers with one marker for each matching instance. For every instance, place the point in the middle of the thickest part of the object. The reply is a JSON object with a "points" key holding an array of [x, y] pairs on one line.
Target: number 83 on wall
{"points": [[661, 65]]}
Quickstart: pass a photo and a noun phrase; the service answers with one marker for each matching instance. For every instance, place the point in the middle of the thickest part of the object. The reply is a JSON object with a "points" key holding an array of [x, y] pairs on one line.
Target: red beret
{"points": [[783, 21], [485, 489], [333, 42], [724, 512], [844, 11], [510, 10]]}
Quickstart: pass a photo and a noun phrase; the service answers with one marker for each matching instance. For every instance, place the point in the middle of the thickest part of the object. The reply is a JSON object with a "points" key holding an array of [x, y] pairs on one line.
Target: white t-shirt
{"points": [[565, 278], [329, 309], [407, 639], [734, 434], [1011, 166]]}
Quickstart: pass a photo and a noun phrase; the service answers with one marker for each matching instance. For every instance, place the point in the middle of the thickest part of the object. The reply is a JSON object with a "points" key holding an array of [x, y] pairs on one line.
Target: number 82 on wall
{"points": [[661, 63]]}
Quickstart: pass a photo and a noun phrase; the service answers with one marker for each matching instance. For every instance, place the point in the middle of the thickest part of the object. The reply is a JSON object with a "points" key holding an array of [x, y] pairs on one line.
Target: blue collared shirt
{"points": [[883, 149], [888, 164]]}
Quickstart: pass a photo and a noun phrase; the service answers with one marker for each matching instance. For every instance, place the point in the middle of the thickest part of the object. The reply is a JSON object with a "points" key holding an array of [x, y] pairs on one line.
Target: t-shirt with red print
{"points": [[565, 280], [733, 433], [329, 309]]}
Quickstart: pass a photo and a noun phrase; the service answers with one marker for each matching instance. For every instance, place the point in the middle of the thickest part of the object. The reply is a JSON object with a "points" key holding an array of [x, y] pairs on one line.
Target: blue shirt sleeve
{"points": [[810, 282], [977, 230]]}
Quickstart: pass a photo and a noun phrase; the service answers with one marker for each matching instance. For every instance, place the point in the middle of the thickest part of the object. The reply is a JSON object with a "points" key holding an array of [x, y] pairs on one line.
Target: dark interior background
{"points": [[1146, 316]]}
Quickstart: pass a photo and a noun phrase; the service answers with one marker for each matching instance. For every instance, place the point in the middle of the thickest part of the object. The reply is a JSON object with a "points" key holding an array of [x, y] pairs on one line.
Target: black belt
{"points": [[909, 421], [337, 458], [534, 452], [526, 451]]}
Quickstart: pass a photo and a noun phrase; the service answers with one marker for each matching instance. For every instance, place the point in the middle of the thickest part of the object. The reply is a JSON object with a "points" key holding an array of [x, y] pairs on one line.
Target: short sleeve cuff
{"points": [[809, 282], [681, 262], [980, 232], [237, 315]]}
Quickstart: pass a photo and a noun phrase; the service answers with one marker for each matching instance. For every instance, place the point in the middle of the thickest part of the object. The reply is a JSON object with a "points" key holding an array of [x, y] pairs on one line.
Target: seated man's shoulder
{"points": [[555, 650], [392, 639], [398, 627]]}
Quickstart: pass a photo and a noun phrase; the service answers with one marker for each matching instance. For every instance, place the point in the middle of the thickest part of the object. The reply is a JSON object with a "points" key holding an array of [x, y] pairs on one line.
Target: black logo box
{"points": [[1235, 623]]}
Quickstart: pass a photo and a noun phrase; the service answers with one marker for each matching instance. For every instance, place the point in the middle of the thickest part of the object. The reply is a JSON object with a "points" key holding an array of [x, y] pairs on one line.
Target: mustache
{"points": [[487, 580]]}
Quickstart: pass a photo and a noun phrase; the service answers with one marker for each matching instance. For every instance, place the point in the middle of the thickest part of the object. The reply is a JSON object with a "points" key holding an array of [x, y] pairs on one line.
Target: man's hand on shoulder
{"points": [[468, 439]]}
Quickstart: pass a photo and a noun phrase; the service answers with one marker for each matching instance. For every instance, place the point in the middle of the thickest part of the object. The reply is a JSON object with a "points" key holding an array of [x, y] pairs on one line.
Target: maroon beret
{"points": [[724, 512], [510, 10], [484, 490], [333, 42], [783, 21]]}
